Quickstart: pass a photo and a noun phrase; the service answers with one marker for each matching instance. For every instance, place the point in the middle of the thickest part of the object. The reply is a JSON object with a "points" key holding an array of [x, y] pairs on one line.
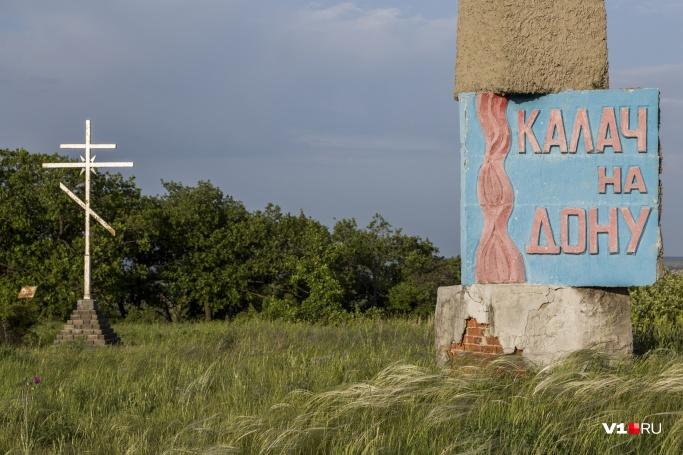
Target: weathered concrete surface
{"points": [[543, 323], [534, 46]]}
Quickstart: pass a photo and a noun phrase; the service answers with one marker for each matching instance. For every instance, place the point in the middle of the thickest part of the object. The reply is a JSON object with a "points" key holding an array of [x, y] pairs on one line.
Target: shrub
{"points": [[42, 334], [282, 309], [16, 319], [144, 314], [657, 314]]}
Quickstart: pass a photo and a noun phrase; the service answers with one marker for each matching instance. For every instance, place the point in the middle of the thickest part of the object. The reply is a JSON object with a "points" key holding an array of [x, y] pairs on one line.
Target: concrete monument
{"points": [[560, 189], [560, 199]]}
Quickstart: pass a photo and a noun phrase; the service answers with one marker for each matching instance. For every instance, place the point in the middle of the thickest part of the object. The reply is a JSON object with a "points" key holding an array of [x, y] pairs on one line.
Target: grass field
{"points": [[365, 387]]}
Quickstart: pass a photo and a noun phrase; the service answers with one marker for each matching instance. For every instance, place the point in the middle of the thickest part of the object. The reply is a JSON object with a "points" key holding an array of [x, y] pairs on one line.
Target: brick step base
{"points": [[88, 324]]}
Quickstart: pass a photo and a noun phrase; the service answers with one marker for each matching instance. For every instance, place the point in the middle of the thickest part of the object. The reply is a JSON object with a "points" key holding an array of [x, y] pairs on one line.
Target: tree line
{"points": [[195, 253]]}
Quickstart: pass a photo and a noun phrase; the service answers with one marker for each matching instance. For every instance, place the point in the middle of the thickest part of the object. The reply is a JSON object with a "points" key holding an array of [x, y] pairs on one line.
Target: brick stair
{"points": [[87, 323]]}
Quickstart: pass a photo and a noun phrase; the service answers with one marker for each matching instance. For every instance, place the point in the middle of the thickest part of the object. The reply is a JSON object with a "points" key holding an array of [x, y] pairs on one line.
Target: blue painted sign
{"points": [[560, 189]]}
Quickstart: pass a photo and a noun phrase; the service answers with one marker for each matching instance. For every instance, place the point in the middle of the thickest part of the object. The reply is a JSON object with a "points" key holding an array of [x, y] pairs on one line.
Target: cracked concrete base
{"points": [[545, 323]]}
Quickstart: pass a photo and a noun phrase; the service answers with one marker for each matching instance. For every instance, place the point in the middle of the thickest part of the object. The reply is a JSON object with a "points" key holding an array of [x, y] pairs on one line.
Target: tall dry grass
{"points": [[494, 407], [364, 387]]}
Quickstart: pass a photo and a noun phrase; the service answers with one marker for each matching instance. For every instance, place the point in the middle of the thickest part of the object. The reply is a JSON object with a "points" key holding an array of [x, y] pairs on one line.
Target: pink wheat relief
{"points": [[498, 259]]}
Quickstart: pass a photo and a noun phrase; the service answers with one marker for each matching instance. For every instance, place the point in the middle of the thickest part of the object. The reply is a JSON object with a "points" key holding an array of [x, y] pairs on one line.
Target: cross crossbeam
{"points": [[88, 165], [87, 209], [90, 146], [84, 165]]}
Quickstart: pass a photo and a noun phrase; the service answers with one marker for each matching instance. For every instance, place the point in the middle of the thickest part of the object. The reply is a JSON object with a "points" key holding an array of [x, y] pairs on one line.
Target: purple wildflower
{"points": [[36, 380]]}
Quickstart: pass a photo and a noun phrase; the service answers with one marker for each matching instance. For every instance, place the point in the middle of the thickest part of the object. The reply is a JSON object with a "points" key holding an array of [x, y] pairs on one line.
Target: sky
{"points": [[338, 108]]}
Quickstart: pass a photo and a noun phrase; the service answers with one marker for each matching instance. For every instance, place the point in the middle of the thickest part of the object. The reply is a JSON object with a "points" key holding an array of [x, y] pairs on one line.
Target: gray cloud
{"points": [[339, 108], [653, 7]]}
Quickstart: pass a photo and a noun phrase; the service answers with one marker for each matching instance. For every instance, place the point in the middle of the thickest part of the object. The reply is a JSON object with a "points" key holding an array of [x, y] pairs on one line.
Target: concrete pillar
{"points": [[531, 47]]}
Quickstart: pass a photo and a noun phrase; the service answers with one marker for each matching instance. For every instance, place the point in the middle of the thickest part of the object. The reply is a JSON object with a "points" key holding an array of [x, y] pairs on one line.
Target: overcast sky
{"points": [[342, 109]]}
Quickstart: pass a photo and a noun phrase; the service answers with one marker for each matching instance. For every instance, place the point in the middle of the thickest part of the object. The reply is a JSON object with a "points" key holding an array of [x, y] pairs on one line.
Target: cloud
{"points": [[341, 108], [650, 7], [640, 73], [672, 102], [370, 146], [349, 34], [368, 80], [666, 77]]}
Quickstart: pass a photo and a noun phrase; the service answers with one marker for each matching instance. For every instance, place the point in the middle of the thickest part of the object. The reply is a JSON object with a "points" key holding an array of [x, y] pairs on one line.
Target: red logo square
{"points": [[633, 428]]}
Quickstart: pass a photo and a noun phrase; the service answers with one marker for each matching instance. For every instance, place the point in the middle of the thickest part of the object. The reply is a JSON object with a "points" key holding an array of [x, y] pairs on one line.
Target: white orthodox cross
{"points": [[87, 165]]}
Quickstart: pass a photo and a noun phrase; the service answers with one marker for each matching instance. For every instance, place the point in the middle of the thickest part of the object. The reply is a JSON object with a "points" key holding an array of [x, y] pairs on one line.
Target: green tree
{"points": [[380, 267], [657, 313], [41, 232], [194, 253]]}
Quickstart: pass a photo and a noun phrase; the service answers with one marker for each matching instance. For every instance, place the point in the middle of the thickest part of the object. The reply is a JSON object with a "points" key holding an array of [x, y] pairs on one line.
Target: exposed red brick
{"points": [[471, 340], [470, 347], [475, 340], [475, 331]]}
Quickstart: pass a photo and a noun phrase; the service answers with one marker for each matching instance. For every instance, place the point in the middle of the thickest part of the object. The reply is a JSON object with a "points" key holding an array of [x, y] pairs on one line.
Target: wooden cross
{"points": [[87, 165]]}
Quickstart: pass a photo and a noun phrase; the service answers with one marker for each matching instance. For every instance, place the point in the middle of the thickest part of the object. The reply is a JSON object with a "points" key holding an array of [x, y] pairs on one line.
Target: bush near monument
{"points": [[657, 314]]}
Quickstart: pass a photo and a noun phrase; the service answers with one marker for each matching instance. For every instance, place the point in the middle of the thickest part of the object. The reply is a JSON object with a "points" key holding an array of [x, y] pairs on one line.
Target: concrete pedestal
{"points": [[541, 323], [531, 46], [89, 324]]}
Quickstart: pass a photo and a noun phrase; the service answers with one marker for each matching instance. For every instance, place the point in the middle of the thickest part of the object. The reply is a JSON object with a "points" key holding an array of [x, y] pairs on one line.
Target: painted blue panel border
{"points": [[562, 180]]}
